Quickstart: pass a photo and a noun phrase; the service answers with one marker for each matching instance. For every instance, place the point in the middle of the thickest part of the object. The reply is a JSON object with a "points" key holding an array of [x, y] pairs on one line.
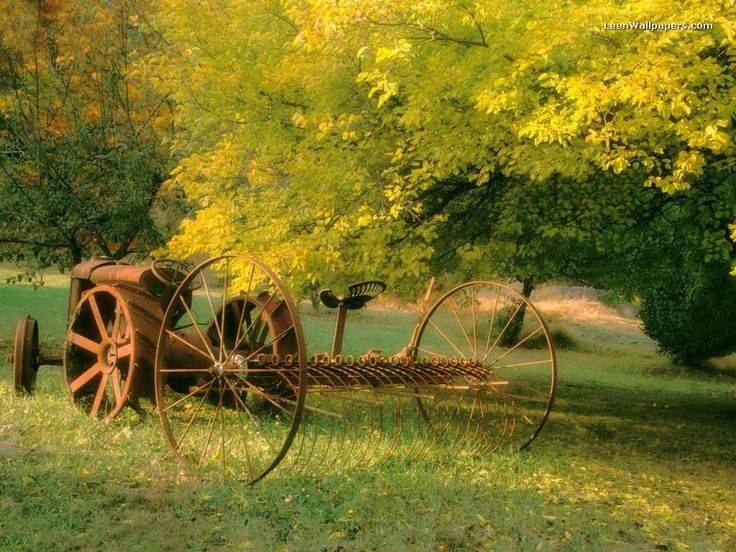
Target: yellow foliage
{"points": [[338, 115]]}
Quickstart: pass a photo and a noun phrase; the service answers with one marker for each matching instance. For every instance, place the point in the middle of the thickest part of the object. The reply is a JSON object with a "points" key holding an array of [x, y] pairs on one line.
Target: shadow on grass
{"points": [[663, 424], [48, 506], [69, 483]]}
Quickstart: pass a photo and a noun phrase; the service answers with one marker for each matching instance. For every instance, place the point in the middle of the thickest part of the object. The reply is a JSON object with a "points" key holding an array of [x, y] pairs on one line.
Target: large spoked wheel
{"points": [[497, 353], [231, 369], [25, 355], [102, 356]]}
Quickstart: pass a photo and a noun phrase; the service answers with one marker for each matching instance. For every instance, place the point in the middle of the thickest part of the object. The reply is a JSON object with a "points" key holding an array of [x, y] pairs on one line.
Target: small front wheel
{"points": [[107, 357], [26, 356]]}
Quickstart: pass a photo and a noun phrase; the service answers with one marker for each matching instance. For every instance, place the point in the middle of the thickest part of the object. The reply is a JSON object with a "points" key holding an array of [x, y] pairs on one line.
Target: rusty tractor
{"points": [[219, 351]]}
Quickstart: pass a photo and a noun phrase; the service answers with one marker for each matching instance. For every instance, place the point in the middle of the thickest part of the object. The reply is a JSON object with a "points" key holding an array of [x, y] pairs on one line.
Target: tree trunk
{"points": [[75, 250], [314, 299], [512, 334]]}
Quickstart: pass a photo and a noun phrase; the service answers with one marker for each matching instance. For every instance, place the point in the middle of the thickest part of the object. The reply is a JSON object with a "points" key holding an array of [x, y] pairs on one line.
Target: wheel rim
{"points": [[230, 369], [100, 353], [504, 395]]}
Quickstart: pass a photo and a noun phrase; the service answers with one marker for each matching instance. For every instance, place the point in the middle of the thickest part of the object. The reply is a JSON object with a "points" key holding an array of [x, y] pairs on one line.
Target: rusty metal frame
{"points": [[248, 355]]}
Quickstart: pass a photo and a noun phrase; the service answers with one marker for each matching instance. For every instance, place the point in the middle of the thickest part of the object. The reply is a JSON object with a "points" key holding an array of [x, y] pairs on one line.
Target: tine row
{"points": [[370, 360]]}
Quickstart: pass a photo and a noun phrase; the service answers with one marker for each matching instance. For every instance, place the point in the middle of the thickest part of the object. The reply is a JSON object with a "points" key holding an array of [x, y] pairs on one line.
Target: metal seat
{"points": [[358, 294]]}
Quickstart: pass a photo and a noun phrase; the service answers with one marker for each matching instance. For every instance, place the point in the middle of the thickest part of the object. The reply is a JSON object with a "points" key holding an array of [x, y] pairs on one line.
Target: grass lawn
{"points": [[637, 455]]}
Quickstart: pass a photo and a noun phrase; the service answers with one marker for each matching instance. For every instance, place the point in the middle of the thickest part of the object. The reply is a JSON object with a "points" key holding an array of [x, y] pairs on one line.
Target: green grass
{"points": [[46, 303], [637, 455]]}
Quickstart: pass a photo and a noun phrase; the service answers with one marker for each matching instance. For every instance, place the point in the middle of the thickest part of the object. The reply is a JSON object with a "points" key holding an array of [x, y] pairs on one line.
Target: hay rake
{"points": [[220, 350]]}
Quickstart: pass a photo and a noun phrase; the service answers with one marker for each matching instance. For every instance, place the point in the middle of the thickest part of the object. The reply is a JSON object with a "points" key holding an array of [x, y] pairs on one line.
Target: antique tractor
{"points": [[219, 349]]}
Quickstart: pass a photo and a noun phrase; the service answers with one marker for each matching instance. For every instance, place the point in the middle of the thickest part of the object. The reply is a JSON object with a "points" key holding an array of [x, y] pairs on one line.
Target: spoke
{"points": [[222, 432], [519, 364], [475, 336], [512, 383], [214, 315], [451, 303], [117, 386], [278, 337], [85, 377], [482, 416], [191, 371], [197, 390], [476, 396], [101, 326], [125, 351], [431, 352], [500, 335], [116, 324], [475, 387], [191, 420], [292, 370], [505, 395], [273, 398], [243, 309], [493, 321], [469, 420], [452, 344], [237, 309], [250, 415], [212, 429], [242, 429], [439, 397], [512, 417], [99, 395], [224, 299], [250, 326], [83, 342], [196, 327], [259, 391], [404, 394], [338, 394], [519, 344], [191, 345], [314, 409]]}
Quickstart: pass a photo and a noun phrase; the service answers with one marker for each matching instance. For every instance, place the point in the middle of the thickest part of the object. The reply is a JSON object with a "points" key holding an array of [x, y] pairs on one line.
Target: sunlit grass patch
{"points": [[634, 457]]}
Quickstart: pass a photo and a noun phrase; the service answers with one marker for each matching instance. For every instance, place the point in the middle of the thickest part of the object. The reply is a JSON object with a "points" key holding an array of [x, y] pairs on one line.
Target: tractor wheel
{"points": [[108, 356]]}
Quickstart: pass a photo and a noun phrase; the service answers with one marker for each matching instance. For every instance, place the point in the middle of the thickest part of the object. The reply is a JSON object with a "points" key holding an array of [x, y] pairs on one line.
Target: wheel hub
{"points": [[237, 362], [108, 356], [218, 369]]}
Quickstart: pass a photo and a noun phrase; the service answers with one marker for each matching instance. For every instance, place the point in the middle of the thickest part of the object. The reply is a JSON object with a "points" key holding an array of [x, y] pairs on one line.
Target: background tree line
{"points": [[83, 134], [344, 140]]}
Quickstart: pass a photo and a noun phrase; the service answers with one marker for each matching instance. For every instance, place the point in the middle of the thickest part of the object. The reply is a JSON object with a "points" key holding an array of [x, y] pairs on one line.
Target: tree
{"points": [[668, 260], [81, 155], [691, 312], [399, 138]]}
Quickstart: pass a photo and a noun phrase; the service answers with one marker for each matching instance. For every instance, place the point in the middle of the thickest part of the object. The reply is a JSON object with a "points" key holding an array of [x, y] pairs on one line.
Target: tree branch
{"points": [[16, 241]]}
